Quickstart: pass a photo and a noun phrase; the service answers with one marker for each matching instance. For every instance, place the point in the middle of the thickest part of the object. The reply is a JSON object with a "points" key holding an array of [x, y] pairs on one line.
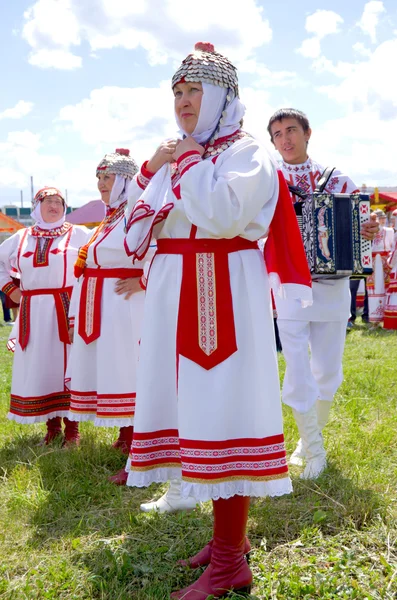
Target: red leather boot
{"points": [[203, 558], [124, 444], [54, 429], [72, 436], [228, 569], [124, 440]]}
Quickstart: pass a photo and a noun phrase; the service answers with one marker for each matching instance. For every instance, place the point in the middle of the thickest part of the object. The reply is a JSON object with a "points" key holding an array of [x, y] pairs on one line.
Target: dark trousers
{"points": [[278, 341], [354, 285], [6, 310]]}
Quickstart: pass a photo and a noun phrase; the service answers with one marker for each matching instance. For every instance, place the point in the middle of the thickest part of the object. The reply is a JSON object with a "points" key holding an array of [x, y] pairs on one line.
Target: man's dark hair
{"points": [[289, 113]]}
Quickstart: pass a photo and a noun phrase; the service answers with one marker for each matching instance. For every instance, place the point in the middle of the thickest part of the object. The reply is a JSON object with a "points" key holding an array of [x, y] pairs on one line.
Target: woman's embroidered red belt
{"points": [[206, 330], [91, 297], [62, 301]]}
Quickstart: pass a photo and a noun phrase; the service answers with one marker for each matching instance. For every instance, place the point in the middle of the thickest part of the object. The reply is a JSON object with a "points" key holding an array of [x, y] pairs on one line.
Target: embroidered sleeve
{"points": [[188, 160], [144, 176], [226, 197], [8, 262], [9, 288]]}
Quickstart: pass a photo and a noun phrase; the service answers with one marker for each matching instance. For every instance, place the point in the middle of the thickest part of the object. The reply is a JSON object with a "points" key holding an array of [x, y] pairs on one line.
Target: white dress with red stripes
{"points": [[208, 397], [39, 337], [101, 372], [378, 282]]}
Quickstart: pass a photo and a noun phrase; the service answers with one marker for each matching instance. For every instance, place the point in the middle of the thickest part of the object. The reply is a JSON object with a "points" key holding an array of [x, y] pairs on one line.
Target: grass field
{"points": [[66, 533]]}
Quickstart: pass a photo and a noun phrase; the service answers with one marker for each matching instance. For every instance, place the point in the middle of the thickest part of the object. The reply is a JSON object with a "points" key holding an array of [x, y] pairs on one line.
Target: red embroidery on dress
{"points": [[216, 461], [206, 299], [42, 252], [36, 231]]}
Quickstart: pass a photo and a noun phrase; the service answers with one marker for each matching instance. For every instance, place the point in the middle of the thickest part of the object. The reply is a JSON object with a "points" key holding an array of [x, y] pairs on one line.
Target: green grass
{"points": [[66, 533]]}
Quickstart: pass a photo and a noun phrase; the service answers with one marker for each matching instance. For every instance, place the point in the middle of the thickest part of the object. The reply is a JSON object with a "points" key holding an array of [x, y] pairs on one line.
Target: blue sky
{"points": [[82, 77]]}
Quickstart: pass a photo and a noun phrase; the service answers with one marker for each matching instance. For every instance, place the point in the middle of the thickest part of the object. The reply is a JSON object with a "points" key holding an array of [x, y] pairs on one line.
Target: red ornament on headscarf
{"points": [[204, 47], [123, 151]]}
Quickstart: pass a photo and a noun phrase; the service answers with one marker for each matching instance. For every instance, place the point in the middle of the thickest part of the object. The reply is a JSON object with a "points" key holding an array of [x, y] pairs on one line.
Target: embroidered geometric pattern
{"points": [[89, 306], [206, 299], [187, 160], [39, 405], [205, 461], [9, 288], [103, 406], [42, 252], [142, 181], [152, 450], [36, 231]]}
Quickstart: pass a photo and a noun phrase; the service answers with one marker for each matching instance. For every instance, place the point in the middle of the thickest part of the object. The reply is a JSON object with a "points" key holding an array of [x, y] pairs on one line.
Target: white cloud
{"points": [[55, 59], [116, 115], [165, 30], [323, 23], [369, 83], [310, 47], [265, 77], [370, 18], [51, 23], [21, 109], [361, 49], [362, 141], [20, 157], [319, 24]]}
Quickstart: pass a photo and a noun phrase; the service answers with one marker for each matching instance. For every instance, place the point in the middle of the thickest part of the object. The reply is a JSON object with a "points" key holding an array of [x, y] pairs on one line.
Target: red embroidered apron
{"points": [[205, 332], [91, 296], [62, 301]]}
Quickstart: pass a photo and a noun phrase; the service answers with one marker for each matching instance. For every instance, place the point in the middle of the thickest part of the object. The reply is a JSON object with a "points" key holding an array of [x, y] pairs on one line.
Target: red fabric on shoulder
{"points": [[284, 251]]}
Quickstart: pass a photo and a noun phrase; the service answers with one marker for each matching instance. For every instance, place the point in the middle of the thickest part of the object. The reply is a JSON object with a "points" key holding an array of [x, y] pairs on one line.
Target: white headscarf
{"points": [[158, 194], [38, 218], [119, 191], [212, 104]]}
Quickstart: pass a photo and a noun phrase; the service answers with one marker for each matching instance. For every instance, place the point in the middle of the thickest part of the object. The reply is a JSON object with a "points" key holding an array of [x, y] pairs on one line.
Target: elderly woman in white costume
{"points": [[44, 256], [105, 316], [208, 409]]}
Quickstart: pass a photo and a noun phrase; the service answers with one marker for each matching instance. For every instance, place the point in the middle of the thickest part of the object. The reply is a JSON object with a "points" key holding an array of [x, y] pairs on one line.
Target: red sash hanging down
{"points": [[91, 296], [205, 332], [62, 301]]}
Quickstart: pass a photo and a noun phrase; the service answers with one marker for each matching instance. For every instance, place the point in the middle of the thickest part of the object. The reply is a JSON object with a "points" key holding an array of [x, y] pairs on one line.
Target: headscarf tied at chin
{"points": [[36, 212]]}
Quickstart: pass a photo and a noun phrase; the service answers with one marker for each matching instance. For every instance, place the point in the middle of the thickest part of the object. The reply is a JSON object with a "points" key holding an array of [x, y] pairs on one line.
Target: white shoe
{"points": [[298, 456], [312, 440], [171, 501]]}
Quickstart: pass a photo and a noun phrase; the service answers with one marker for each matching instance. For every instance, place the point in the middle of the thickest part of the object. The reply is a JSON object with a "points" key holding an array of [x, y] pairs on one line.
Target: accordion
{"points": [[330, 226]]}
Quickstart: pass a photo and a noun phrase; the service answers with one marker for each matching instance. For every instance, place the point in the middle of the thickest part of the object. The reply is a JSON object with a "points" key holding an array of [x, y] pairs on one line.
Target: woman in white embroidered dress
{"points": [[44, 256], [208, 397], [105, 316], [378, 282]]}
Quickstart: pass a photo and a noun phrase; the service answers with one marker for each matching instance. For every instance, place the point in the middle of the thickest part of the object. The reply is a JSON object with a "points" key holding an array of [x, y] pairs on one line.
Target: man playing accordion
{"points": [[311, 382]]}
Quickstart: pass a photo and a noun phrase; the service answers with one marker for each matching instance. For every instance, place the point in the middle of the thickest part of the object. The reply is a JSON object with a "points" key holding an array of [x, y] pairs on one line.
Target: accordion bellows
{"points": [[330, 226]]}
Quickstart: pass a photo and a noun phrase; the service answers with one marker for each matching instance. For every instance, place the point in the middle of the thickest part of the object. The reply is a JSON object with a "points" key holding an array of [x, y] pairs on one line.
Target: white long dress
{"points": [[390, 318], [218, 426], [378, 282], [101, 372], [40, 335]]}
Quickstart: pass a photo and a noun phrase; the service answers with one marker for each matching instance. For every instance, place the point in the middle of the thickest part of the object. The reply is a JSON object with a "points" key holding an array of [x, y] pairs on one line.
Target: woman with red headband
{"points": [[44, 257], [105, 316], [208, 397]]}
